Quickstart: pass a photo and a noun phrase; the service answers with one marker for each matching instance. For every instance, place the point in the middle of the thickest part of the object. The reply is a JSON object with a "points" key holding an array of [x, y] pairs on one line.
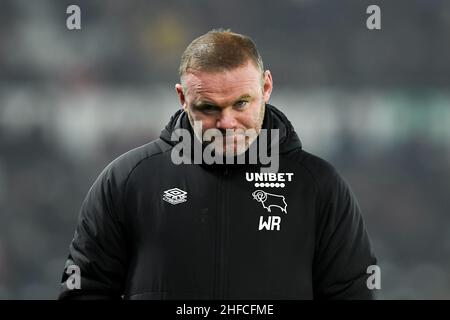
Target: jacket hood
{"points": [[273, 119]]}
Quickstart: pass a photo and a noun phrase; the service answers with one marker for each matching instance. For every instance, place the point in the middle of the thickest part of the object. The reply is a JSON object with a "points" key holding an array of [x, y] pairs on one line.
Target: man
{"points": [[153, 227]]}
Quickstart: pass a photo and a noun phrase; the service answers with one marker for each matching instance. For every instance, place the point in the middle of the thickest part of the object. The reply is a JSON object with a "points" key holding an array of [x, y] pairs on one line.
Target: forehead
{"points": [[219, 86]]}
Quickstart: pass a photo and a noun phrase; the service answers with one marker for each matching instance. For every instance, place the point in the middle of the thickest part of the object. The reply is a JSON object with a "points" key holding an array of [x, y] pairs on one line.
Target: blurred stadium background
{"points": [[374, 103]]}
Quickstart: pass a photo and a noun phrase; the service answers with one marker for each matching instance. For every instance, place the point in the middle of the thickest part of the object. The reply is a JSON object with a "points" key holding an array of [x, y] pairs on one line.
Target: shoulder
{"points": [[123, 164], [320, 169]]}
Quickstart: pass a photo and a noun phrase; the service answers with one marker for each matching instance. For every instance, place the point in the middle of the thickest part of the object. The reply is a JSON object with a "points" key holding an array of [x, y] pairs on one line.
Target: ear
{"points": [[181, 97], [268, 85]]}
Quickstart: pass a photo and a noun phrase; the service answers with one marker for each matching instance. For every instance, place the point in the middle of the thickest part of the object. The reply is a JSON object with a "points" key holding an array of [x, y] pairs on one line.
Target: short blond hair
{"points": [[219, 50]]}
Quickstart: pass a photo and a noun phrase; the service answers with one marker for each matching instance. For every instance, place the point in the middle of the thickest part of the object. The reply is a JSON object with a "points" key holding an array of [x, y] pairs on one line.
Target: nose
{"points": [[226, 120]]}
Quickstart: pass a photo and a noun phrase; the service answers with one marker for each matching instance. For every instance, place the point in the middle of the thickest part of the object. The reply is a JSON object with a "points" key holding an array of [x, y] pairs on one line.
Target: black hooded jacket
{"points": [[151, 229]]}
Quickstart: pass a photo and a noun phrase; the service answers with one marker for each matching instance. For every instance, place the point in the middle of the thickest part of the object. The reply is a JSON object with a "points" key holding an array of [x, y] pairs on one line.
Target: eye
{"points": [[241, 104], [208, 107]]}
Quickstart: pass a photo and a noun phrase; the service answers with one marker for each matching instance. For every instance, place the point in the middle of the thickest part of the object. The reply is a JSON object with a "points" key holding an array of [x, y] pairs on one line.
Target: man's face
{"points": [[231, 101]]}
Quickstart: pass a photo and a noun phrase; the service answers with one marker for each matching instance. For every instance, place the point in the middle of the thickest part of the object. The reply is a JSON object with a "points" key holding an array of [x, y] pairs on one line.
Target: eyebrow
{"points": [[201, 104]]}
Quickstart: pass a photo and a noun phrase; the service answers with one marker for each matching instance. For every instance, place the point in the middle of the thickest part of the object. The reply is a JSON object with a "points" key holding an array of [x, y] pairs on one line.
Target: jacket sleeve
{"points": [[98, 249], [343, 250]]}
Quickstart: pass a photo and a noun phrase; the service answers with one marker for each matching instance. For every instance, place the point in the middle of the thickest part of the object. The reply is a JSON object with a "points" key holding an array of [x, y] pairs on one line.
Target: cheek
{"points": [[251, 118], [208, 122]]}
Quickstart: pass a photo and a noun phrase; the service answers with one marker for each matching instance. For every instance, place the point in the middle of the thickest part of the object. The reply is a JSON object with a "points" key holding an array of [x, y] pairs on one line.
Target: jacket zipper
{"points": [[222, 221]]}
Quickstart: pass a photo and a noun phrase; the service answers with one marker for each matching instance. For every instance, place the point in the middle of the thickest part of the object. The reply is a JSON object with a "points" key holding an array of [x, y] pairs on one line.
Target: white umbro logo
{"points": [[175, 196]]}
